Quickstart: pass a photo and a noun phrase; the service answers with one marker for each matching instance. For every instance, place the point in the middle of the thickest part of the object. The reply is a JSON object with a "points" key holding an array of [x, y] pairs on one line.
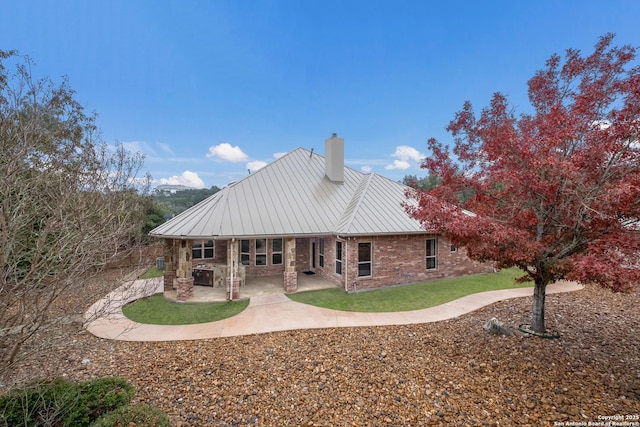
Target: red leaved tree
{"points": [[555, 192]]}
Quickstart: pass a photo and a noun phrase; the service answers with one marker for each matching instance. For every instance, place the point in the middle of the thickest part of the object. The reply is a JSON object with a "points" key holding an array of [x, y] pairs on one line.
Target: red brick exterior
{"points": [[290, 282], [395, 260], [184, 288], [236, 289]]}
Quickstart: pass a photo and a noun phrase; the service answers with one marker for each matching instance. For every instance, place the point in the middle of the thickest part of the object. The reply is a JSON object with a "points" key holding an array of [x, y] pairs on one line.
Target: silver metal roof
{"points": [[292, 197]]}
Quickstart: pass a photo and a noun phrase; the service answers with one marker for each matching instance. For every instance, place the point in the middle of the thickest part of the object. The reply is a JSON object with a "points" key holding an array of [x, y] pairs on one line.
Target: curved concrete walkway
{"points": [[275, 312]]}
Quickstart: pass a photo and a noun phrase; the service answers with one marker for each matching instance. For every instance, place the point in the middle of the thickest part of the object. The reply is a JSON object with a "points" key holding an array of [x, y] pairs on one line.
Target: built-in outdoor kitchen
{"points": [[210, 274]]}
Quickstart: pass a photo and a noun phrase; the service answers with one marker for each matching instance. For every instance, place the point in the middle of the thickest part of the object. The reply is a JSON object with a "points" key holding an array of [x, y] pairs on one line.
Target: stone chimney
{"points": [[334, 159]]}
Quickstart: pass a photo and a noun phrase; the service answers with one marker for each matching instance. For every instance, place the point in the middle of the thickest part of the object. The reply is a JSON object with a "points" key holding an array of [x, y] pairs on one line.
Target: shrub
{"points": [[39, 403], [140, 415], [102, 395], [59, 402]]}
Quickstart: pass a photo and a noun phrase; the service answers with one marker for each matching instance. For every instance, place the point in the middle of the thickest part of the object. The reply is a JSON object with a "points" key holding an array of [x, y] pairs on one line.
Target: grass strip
{"points": [[152, 273], [411, 297], [155, 310]]}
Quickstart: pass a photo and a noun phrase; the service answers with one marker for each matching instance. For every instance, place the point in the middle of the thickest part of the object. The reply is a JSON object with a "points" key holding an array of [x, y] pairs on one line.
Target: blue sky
{"points": [[210, 89]]}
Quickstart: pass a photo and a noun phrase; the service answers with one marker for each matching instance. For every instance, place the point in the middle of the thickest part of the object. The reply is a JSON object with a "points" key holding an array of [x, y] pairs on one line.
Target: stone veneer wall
{"points": [[170, 264]]}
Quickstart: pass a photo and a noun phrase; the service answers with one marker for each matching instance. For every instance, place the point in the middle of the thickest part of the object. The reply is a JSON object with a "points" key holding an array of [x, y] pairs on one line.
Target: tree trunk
{"points": [[537, 315]]}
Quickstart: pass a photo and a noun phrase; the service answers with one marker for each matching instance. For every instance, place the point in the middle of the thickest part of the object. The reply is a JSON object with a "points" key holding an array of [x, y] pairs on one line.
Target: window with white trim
{"points": [[202, 249], [245, 252], [432, 253], [364, 259], [261, 251], [339, 257], [321, 252], [276, 251]]}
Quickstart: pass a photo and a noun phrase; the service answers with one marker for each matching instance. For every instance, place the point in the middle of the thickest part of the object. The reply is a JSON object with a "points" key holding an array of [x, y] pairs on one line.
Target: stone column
{"points": [[169, 274], [233, 292], [184, 280], [290, 274]]}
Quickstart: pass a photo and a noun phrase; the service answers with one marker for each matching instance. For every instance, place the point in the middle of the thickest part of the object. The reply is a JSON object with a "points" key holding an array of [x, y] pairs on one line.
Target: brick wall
{"points": [[396, 260], [269, 269], [328, 271]]}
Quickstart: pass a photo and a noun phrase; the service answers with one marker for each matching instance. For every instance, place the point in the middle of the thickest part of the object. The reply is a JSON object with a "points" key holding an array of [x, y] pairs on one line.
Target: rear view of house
{"points": [[305, 213]]}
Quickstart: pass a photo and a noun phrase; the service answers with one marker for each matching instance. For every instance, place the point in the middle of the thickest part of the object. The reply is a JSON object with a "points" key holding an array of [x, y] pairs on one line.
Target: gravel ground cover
{"points": [[444, 373]]}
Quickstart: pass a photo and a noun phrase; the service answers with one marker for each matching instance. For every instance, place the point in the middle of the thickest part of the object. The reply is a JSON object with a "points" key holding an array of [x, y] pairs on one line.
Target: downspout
{"points": [[346, 270], [233, 240]]}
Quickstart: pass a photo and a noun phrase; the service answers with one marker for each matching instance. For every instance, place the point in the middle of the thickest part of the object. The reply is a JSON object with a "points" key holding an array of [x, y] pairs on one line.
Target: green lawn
{"points": [[151, 273], [158, 311], [155, 310], [411, 297]]}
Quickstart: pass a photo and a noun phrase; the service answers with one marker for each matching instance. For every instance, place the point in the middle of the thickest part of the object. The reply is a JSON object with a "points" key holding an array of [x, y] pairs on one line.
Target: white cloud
{"points": [[165, 148], [255, 165], [188, 178], [398, 164], [406, 153], [139, 147], [366, 169], [226, 152], [278, 155]]}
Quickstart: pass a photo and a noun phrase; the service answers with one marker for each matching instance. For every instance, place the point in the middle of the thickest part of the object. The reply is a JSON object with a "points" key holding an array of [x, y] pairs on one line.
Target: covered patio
{"points": [[254, 286]]}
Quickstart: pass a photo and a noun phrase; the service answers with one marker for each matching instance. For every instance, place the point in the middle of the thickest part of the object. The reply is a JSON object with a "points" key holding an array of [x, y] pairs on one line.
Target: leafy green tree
{"points": [[157, 213], [180, 201], [432, 181], [427, 183]]}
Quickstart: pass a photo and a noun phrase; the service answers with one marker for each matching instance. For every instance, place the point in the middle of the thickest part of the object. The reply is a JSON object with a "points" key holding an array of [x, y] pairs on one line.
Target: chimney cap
{"points": [[334, 135]]}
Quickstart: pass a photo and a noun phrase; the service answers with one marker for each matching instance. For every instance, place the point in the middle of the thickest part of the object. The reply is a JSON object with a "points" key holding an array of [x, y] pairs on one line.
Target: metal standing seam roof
{"points": [[292, 197]]}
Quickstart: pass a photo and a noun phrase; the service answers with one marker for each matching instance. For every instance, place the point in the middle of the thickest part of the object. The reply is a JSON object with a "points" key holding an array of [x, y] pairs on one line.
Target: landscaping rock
{"points": [[443, 373], [496, 327]]}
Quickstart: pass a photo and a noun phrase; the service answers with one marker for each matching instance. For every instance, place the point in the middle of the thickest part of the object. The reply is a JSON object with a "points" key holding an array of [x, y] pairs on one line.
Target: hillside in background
{"points": [[177, 201]]}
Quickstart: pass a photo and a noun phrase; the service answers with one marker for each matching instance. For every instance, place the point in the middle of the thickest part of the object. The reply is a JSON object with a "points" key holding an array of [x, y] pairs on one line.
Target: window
{"points": [[432, 245], [339, 257], [261, 251], [321, 252], [244, 252], [364, 259], [202, 249], [276, 251], [454, 249]]}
